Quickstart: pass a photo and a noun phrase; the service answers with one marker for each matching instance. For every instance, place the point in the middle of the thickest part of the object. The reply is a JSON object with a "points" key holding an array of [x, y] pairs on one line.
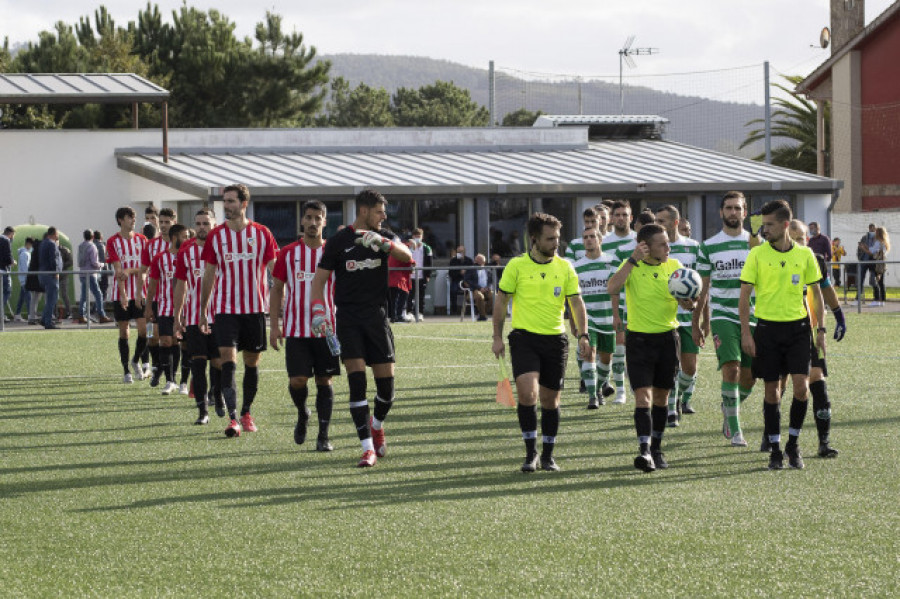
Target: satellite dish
{"points": [[825, 37]]}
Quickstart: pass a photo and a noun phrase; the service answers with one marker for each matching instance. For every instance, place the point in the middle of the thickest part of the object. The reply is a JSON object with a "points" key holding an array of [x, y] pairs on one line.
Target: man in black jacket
{"points": [[456, 275]]}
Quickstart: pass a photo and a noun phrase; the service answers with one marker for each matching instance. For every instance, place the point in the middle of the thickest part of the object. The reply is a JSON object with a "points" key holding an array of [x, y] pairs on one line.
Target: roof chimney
{"points": [[848, 17]]}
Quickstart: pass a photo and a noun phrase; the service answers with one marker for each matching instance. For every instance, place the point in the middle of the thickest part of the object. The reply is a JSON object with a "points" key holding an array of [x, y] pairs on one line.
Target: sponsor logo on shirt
{"points": [[733, 264], [353, 265], [198, 272], [795, 279], [557, 291], [301, 275], [594, 283], [239, 256]]}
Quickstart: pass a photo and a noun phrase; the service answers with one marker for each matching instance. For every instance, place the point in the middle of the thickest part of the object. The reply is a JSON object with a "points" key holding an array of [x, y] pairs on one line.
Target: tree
{"points": [[441, 104], [521, 118], [794, 119], [363, 106]]}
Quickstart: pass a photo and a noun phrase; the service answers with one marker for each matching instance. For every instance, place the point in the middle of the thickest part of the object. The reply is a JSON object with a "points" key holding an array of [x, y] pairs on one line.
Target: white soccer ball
{"points": [[685, 283]]}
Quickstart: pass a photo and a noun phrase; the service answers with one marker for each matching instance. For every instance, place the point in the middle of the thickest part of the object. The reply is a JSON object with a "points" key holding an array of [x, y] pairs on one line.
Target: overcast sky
{"points": [[577, 37]]}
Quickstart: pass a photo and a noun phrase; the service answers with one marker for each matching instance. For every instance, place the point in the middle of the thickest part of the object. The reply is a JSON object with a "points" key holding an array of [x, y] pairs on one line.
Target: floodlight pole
{"points": [[768, 115]]}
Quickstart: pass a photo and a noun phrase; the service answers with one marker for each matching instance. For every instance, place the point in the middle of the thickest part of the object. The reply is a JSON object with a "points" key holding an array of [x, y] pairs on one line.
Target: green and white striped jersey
{"points": [[686, 251], [721, 259], [575, 250], [619, 247], [593, 276]]}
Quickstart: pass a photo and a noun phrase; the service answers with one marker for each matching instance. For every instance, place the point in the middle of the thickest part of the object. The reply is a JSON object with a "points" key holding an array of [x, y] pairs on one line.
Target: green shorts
{"points": [[687, 341], [727, 339], [603, 342]]}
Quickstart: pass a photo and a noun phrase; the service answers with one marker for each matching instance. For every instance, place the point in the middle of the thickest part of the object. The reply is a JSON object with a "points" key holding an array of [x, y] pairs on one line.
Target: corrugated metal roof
{"points": [[555, 120], [606, 167], [78, 88]]}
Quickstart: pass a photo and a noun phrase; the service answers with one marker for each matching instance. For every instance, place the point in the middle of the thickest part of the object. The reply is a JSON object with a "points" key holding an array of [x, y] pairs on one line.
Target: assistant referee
{"points": [[778, 271], [539, 284]]}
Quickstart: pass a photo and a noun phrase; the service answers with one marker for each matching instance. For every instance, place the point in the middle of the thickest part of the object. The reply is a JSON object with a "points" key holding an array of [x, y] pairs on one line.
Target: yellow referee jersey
{"points": [[539, 293], [779, 279], [651, 308]]}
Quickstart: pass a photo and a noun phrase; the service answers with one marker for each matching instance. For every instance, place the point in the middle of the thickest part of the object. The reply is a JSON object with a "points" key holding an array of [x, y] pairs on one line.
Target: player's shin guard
{"points": [[602, 373], [298, 396], [198, 374], [643, 425], [685, 386], [618, 367], [215, 381], [165, 362], [229, 388], [657, 426], [673, 401], [359, 405], [772, 423], [821, 409], [549, 430], [730, 399], [139, 348], [528, 424], [249, 386], [589, 376], [180, 358], [154, 355], [797, 416], [384, 399], [744, 393], [123, 354], [324, 405]]}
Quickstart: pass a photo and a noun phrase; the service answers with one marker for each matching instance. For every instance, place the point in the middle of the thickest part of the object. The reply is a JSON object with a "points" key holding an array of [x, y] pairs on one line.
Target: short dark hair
{"points": [[206, 212], [780, 209], [98, 235], [29, 240], [242, 191], [167, 212], [175, 230], [369, 198], [151, 209], [538, 221], [149, 230], [123, 212], [620, 204], [9, 230], [88, 234], [648, 231], [732, 195], [602, 207], [671, 210], [645, 218], [313, 205], [51, 231], [589, 212]]}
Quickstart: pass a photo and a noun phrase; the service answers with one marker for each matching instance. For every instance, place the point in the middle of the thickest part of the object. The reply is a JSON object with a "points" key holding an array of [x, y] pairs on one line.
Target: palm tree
{"points": [[793, 121]]}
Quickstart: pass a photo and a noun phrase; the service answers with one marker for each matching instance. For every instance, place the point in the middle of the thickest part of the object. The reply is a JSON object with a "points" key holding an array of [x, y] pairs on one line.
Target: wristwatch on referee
{"points": [[584, 336], [632, 261], [822, 330]]}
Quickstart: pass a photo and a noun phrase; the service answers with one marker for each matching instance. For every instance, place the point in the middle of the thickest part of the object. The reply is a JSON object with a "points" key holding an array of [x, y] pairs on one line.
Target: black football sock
{"points": [[198, 374], [658, 416], [229, 388], [796, 418], [324, 406], [384, 398], [215, 381], [123, 354], [772, 423], [249, 386], [821, 409], [359, 405], [154, 357], [179, 359], [165, 363], [549, 430], [643, 425], [528, 424], [298, 396], [139, 348]]}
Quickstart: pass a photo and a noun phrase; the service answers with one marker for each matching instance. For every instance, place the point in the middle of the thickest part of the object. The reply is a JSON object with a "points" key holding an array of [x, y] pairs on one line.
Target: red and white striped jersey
{"points": [[296, 266], [162, 269], [153, 248], [241, 258], [189, 267], [127, 252]]}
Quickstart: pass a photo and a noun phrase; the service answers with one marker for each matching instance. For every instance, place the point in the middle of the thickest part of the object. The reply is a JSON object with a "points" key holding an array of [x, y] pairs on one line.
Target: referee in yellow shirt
{"points": [[651, 338], [778, 270], [539, 284]]}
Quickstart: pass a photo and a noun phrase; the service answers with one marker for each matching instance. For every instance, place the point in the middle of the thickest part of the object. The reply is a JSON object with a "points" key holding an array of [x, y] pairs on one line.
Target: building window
{"points": [[400, 216], [439, 221], [508, 218], [335, 217], [280, 218]]}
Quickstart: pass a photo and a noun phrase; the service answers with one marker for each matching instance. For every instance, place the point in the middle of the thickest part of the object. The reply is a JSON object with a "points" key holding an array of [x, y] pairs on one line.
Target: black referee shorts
{"points": [[131, 312], [652, 359], [782, 348], [246, 332], [200, 345], [365, 333], [545, 354], [308, 356]]}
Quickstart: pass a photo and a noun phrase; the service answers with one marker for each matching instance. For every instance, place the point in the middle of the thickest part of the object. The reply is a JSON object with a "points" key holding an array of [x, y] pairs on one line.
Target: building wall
{"points": [[880, 118], [846, 131]]}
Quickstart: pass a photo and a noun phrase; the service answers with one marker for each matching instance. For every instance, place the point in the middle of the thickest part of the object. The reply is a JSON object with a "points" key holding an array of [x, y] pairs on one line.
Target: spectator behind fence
{"points": [[50, 260], [818, 242], [399, 286], [68, 262], [6, 262], [864, 253], [33, 280], [479, 281], [880, 250], [456, 276], [422, 256], [103, 278], [837, 252], [23, 263], [88, 260]]}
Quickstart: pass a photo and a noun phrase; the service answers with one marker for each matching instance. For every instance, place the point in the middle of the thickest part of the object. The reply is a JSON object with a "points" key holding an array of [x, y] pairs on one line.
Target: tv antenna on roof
{"points": [[625, 54]]}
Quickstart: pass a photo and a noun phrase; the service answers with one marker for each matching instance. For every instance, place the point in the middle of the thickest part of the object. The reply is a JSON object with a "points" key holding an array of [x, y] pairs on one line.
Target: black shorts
{"points": [[200, 345], [131, 312], [165, 326], [305, 356], [365, 334], [781, 348], [246, 332], [545, 354], [652, 359]]}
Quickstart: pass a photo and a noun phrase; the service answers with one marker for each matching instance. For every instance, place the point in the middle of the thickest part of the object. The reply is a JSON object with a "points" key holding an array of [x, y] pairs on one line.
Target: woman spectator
{"points": [[399, 283], [880, 250], [837, 252]]}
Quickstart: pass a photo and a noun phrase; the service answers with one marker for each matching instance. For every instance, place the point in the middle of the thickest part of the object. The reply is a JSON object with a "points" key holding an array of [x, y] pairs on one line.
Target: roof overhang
{"points": [[79, 88]]}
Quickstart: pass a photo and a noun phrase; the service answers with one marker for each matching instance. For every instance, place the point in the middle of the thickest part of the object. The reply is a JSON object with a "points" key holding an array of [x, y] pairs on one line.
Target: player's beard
{"points": [[732, 223]]}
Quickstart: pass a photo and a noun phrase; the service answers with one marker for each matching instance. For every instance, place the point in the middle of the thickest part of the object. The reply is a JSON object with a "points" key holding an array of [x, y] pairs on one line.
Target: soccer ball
{"points": [[685, 283]]}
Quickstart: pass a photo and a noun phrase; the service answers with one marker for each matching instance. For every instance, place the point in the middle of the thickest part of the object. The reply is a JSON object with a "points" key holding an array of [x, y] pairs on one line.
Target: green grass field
{"points": [[108, 490]]}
